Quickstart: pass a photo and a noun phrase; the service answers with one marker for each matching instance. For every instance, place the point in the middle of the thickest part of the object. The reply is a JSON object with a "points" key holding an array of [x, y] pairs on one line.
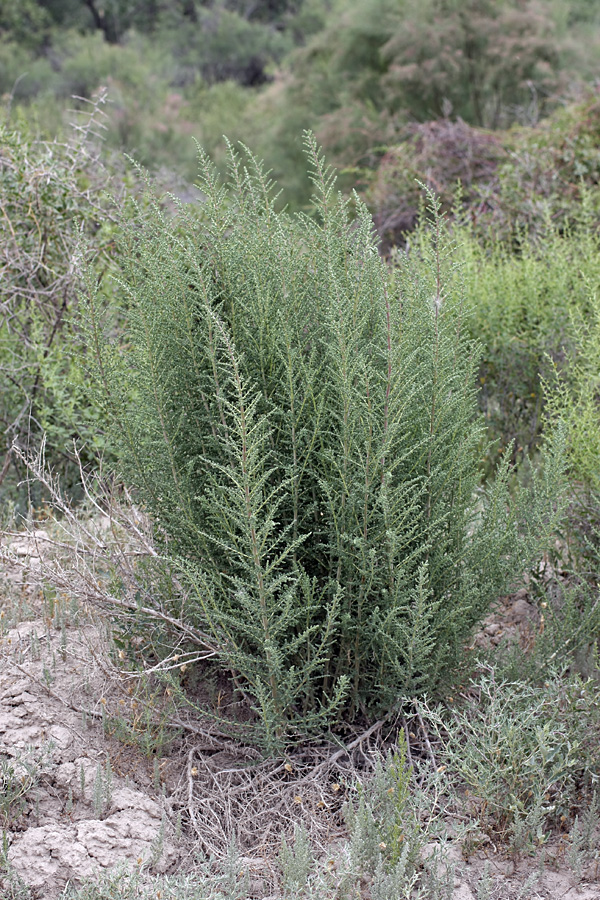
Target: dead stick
{"points": [[343, 751], [427, 744]]}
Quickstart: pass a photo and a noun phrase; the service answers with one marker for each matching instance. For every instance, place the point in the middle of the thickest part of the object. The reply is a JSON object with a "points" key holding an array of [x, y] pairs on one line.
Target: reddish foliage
{"points": [[439, 154]]}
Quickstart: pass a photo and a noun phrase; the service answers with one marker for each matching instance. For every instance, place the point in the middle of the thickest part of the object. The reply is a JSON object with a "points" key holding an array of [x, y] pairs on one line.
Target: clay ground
{"points": [[77, 801]]}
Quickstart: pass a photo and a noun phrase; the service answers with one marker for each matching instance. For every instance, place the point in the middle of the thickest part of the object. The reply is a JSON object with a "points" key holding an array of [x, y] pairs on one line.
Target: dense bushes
{"points": [[512, 183], [572, 397], [524, 310], [51, 203], [377, 67], [360, 74], [300, 424]]}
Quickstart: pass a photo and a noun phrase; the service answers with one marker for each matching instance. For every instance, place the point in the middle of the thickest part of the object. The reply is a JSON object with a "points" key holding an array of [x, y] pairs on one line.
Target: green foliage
{"points": [[19, 774], [24, 21], [380, 64], [123, 884], [296, 862], [389, 821], [85, 62], [361, 74], [49, 197], [524, 308], [382, 822], [564, 641], [225, 46], [303, 433], [551, 170], [572, 398], [524, 755], [113, 19], [583, 849], [522, 314], [21, 75], [572, 395], [159, 78], [475, 57]]}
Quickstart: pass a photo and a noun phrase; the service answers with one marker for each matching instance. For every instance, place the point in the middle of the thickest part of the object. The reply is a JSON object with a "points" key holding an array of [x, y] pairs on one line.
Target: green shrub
{"points": [[225, 46], [382, 820], [523, 310], [21, 75], [524, 756], [522, 314], [572, 394], [24, 21], [565, 640], [301, 426], [85, 62], [480, 58], [50, 199], [19, 774], [379, 66]]}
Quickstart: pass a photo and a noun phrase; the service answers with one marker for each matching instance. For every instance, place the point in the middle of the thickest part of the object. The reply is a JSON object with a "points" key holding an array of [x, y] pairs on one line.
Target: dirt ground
{"points": [[82, 801], [90, 803]]}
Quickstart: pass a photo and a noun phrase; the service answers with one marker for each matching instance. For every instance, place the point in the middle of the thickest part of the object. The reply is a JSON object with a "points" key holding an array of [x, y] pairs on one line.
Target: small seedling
{"points": [[102, 795]]}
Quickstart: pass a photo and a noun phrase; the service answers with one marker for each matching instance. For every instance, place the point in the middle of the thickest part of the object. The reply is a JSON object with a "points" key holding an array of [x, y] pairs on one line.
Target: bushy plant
{"points": [[49, 194], [513, 183], [572, 394], [301, 426], [25, 21], [552, 169], [382, 820], [522, 313], [524, 309], [22, 76], [19, 774], [84, 62], [376, 67], [224, 45], [564, 640], [523, 755], [441, 154], [481, 58]]}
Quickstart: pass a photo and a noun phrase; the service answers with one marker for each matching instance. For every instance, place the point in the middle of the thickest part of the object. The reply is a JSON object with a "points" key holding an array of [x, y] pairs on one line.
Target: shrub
{"points": [[572, 397], [49, 194], [301, 425], [512, 183], [522, 313], [439, 154], [226, 46], [524, 307], [525, 756], [19, 774], [21, 75], [481, 58], [84, 62], [376, 66], [24, 21]]}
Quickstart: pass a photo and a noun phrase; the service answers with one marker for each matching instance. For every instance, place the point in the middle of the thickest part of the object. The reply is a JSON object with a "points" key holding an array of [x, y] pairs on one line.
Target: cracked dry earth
{"points": [[87, 804], [74, 802]]}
